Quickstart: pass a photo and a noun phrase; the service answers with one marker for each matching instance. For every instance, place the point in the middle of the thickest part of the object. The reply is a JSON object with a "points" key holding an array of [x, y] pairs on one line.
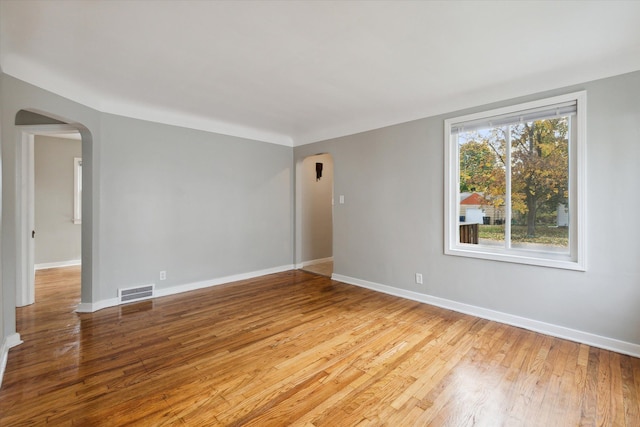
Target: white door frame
{"points": [[25, 205]]}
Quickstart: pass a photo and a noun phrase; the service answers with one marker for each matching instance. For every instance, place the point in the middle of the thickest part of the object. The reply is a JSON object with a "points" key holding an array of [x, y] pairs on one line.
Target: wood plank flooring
{"points": [[323, 268], [297, 348]]}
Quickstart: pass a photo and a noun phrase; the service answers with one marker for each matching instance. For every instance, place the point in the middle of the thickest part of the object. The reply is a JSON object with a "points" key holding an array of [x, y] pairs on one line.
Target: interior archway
{"points": [[30, 123]]}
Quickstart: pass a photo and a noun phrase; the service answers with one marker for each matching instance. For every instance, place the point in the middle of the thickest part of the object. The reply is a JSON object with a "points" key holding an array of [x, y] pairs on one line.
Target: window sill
{"points": [[519, 257]]}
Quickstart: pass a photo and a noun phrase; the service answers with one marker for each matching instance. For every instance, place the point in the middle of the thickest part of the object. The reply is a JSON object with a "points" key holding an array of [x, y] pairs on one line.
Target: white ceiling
{"points": [[292, 72]]}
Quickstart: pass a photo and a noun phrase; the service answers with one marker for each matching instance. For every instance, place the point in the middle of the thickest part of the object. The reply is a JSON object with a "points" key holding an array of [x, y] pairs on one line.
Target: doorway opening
{"points": [[58, 200], [316, 214], [52, 193], [31, 126]]}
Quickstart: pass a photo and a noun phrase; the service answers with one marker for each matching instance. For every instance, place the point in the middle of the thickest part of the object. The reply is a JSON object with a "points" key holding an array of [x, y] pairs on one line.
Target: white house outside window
{"points": [[515, 183]]}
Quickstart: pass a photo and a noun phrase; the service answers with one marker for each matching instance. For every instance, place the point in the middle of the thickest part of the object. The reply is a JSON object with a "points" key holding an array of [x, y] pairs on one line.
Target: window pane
{"points": [[482, 186], [540, 184]]}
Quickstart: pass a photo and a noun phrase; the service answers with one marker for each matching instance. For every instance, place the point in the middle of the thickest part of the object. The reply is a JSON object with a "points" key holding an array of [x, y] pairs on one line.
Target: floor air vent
{"points": [[135, 294]]}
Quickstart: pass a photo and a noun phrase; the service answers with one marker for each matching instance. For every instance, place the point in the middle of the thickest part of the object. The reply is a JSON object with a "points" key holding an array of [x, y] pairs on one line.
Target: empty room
{"points": [[319, 213]]}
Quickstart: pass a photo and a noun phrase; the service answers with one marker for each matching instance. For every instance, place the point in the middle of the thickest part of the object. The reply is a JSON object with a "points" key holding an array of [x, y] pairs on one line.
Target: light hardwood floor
{"points": [[323, 268], [296, 348]]}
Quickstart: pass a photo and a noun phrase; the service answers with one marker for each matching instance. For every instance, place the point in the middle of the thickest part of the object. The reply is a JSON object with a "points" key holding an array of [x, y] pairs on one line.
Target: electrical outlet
{"points": [[163, 275], [419, 278]]}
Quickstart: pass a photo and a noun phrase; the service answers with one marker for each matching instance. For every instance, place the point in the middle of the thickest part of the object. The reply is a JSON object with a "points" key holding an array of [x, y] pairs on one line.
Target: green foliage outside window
{"points": [[538, 153]]}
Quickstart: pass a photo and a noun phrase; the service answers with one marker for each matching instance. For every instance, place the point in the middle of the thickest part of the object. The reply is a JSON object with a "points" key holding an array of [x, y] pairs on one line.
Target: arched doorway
{"points": [[30, 124]]}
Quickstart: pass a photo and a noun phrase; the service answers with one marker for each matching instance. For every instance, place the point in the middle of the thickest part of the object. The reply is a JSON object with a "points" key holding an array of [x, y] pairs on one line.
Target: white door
{"points": [[25, 272]]}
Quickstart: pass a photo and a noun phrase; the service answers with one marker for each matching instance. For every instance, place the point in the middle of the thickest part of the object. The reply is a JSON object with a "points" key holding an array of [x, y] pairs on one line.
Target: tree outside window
{"points": [[516, 176]]}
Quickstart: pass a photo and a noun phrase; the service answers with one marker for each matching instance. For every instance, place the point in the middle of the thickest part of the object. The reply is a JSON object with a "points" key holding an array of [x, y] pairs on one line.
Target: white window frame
{"points": [[77, 190], [576, 259]]}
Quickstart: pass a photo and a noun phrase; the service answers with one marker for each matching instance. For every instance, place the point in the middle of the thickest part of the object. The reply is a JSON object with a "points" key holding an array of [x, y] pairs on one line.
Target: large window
{"points": [[515, 180]]}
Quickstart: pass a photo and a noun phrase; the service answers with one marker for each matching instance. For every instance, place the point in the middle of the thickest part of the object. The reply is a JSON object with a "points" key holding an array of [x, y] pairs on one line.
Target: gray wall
{"points": [[391, 225], [201, 205], [195, 204], [317, 211], [16, 96], [57, 237], [198, 205]]}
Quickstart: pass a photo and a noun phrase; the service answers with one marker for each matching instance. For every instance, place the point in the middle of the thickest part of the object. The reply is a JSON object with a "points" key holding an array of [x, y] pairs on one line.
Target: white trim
{"points": [[519, 257], [77, 190], [58, 264], [576, 260], [88, 307], [220, 281], [580, 180], [587, 338], [25, 214], [8, 343]]}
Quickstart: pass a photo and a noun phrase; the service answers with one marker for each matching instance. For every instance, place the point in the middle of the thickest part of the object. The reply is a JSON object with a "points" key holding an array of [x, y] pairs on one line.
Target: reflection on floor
{"points": [[323, 269]]}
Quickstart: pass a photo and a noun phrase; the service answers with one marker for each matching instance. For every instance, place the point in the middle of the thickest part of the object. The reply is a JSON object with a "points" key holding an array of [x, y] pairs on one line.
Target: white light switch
{"points": [[342, 199]]}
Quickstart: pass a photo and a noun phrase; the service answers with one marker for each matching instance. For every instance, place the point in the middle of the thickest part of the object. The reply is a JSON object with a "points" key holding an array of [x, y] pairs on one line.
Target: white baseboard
{"points": [[9, 342], [86, 307], [58, 264], [90, 307], [220, 281], [313, 262], [606, 343]]}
